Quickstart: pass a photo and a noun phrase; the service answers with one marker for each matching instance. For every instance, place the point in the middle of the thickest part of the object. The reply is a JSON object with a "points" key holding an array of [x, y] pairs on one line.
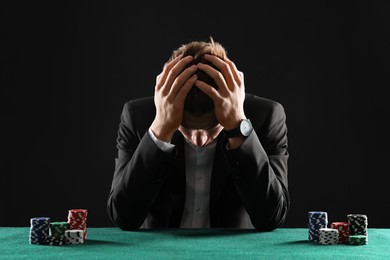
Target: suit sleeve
{"points": [[140, 170], [260, 172]]}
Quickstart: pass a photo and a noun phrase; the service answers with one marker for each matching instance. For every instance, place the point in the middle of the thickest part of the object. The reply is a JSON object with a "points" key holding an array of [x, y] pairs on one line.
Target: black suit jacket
{"points": [[249, 185]]}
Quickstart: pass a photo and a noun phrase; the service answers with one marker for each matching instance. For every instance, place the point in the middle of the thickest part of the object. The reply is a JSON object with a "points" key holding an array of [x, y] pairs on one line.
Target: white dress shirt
{"points": [[198, 164]]}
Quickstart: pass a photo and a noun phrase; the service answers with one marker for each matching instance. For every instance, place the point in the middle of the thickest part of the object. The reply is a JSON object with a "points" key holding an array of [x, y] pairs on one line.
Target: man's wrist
{"points": [[164, 146], [161, 134], [243, 129], [235, 142]]}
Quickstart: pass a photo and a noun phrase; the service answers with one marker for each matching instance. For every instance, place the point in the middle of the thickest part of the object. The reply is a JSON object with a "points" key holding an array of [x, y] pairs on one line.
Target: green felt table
{"points": [[112, 243]]}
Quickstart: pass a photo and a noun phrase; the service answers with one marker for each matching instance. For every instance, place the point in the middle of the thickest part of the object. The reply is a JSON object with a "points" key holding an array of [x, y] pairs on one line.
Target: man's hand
{"points": [[229, 98], [172, 87]]}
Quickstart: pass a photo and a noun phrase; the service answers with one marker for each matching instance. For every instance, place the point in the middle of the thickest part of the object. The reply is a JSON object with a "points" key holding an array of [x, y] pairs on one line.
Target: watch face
{"points": [[246, 127]]}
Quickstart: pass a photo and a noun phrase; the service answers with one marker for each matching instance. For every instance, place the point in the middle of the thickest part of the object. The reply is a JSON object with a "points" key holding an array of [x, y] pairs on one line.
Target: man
{"points": [[202, 153]]}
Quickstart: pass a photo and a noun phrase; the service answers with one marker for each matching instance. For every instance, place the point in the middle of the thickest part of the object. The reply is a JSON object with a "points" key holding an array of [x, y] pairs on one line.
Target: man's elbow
{"points": [[268, 226], [274, 220], [120, 219]]}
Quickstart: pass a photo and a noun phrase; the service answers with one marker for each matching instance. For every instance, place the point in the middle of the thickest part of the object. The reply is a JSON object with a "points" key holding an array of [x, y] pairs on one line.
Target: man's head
{"points": [[198, 107]]}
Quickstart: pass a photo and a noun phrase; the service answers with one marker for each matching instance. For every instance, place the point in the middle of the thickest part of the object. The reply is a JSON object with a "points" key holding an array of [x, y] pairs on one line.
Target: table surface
{"points": [[112, 243]]}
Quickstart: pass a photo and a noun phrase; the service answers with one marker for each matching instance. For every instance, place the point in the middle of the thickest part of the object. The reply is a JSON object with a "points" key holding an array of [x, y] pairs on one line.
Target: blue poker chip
{"points": [[316, 221], [39, 230]]}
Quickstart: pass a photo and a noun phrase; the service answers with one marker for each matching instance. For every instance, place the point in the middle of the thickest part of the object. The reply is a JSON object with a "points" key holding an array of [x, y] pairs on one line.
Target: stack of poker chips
{"points": [[358, 229], [77, 220], [358, 240], [72, 231], [58, 228], [328, 236], [74, 236], [57, 233], [55, 240], [317, 220], [343, 228], [39, 230], [353, 232]]}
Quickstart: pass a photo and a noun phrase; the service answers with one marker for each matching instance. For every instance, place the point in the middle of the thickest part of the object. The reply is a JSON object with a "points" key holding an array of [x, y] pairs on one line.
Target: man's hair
{"points": [[197, 102]]}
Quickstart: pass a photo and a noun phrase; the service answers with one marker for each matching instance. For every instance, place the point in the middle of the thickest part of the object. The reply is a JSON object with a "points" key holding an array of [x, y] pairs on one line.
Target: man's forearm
{"points": [[264, 194], [136, 183]]}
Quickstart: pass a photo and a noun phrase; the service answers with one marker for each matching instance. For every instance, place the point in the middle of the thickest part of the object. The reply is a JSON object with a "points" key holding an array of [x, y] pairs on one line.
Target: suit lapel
{"points": [[221, 171], [178, 181]]}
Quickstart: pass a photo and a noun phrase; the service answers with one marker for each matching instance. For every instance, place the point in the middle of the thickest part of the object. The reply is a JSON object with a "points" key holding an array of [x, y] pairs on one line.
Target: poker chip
{"points": [[317, 220], [77, 219], [358, 224], [343, 228], [73, 231], [328, 236], [58, 228], [55, 240], [358, 240], [74, 236], [39, 230], [354, 231]]}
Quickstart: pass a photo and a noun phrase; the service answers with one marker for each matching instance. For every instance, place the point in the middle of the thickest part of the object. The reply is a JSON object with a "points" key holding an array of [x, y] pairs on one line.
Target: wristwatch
{"points": [[245, 129]]}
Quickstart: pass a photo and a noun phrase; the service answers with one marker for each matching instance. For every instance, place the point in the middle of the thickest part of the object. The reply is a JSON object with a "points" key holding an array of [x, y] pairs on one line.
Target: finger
{"points": [[159, 81], [238, 75], [209, 91], [175, 72], [181, 80], [215, 75], [161, 78], [183, 91], [223, 67]]}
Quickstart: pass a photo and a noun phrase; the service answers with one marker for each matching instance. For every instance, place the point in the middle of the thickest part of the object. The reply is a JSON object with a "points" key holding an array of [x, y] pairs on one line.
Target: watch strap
{"points": [[233, 132]]}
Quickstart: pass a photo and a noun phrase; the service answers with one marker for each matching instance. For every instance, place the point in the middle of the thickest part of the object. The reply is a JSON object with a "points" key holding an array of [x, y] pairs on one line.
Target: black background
{"points": [[69, 68]]}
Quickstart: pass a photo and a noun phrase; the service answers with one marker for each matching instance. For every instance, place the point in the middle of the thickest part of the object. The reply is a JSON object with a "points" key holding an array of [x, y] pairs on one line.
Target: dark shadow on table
{"points": [[103, 242], [296, 242], [300, 242], [182, 232]]}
